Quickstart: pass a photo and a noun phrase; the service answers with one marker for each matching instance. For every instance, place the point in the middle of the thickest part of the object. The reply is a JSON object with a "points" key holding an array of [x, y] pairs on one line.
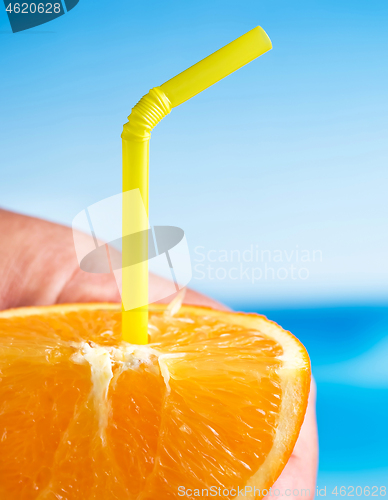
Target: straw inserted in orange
{"points": [[147, 113]]}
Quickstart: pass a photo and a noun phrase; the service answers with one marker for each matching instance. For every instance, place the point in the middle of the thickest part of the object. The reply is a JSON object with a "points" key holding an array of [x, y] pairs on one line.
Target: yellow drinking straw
{"points": [[147, 113]]}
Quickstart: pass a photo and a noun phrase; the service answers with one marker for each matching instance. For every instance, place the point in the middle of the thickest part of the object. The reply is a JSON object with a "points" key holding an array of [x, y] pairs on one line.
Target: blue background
{"points": [[289, 153]]}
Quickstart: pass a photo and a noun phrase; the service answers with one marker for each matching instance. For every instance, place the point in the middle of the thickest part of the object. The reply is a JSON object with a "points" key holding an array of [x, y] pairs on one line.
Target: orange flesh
{"points": [[198, 407]]}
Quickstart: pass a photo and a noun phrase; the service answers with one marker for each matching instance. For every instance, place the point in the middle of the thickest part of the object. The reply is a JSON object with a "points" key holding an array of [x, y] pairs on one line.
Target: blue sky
{"points": [[289, 153]]}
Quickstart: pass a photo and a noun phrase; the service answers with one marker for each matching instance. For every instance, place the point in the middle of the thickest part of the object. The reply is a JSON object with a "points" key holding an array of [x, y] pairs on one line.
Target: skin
{"points": [[38, 266]]}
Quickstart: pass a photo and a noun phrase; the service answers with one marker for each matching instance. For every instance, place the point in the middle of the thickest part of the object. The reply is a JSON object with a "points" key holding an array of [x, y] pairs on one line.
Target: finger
{"points": [[88, 287], [158, 284], [36, 260], [38, 266], [299, 475]]}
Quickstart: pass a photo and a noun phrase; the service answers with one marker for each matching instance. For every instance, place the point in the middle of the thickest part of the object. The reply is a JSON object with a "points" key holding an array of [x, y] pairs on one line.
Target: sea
{"points": [[348, 347]]}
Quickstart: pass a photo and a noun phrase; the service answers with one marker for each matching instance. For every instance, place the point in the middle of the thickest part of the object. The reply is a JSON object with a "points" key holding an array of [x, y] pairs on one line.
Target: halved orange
{"points": [[215, 400]]}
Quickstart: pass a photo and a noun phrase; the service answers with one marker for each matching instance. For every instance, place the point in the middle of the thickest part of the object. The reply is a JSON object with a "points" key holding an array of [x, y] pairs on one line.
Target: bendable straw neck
{"points": [[145, 115]]}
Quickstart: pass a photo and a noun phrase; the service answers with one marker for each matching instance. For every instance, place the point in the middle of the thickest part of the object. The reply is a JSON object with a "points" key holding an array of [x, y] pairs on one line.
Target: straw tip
{"points": [[262, 38]]}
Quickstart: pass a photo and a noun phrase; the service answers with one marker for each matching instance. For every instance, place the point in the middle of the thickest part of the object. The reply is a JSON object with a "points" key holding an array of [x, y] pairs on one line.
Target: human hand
{"points": [[38, 266]]}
